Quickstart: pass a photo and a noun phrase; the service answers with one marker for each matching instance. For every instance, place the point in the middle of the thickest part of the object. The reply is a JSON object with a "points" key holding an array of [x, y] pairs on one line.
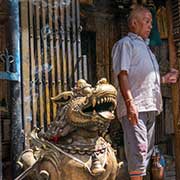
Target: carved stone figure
{"points": [[73, 147]]}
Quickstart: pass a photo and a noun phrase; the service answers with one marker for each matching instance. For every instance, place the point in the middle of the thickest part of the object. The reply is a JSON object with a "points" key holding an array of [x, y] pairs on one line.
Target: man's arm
{"points": [[132, 112]]}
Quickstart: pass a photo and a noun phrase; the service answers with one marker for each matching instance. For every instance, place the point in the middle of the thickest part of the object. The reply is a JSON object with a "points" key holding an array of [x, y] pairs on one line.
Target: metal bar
{"points": [[85, 67], [74, 43], [106, 49], [57, 48], [45, 66], [69, 57], [15, 86], [64, 63], [54, 55], [33, 66], [79, 39], [39, 60]]}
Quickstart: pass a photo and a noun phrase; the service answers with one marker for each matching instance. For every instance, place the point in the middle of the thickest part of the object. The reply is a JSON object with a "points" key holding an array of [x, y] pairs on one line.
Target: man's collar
{"points": [[135, 36]]}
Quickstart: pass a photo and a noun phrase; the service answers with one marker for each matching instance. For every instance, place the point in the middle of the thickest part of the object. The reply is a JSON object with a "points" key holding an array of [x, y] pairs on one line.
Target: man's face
{"points": [[143, 24]]}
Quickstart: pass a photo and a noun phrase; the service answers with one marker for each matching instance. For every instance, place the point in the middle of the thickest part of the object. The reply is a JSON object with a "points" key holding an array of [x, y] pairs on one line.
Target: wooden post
{"points": [[27, 115], [175, 88], [16, 98]]}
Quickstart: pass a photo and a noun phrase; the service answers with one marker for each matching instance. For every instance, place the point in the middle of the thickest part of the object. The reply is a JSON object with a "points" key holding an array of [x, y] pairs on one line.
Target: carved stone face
{"points": [[86, 105]]}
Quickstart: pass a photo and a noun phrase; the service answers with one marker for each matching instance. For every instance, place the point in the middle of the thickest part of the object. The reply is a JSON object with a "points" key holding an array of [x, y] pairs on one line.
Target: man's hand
{"points": [[132, 112], [171, 77]]}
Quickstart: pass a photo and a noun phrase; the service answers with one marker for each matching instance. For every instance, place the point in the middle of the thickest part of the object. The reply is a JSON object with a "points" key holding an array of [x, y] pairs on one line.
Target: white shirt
{"points": [[133, 55]]}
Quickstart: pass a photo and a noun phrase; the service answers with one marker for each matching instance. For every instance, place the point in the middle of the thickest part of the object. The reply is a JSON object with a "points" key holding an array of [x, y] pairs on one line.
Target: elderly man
{"points": [[138, 81]]}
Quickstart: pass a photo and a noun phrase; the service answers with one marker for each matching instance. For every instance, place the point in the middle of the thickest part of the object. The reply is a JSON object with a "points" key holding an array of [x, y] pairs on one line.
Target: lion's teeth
{"points": [[102, 100], [94, 102]]}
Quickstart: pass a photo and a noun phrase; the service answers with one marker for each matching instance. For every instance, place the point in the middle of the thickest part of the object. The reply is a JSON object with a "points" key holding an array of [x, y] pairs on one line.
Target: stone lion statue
{"points": [[73, 147]]}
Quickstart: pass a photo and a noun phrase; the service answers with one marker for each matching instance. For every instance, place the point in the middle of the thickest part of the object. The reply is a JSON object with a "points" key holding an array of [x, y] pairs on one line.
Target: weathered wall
{"points": [[108, 29]]}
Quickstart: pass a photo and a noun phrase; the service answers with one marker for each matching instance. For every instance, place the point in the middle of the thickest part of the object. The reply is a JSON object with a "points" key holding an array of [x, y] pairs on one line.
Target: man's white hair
{"points": [[136, 12]]}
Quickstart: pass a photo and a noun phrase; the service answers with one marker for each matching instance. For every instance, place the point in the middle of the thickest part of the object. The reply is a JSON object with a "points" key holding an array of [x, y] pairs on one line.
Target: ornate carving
{"points": [[73, 147]]}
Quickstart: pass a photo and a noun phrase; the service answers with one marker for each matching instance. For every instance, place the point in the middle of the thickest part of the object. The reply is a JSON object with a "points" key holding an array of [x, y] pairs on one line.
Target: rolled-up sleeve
{"points": [[122, 56]]}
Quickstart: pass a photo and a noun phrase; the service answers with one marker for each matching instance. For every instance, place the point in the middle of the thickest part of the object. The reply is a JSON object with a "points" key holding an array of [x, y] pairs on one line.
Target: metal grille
{"points": [[51, 56]]}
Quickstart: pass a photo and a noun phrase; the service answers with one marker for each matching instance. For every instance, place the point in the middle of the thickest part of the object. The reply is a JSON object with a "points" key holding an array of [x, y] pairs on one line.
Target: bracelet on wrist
{"points": [[129, 100]]}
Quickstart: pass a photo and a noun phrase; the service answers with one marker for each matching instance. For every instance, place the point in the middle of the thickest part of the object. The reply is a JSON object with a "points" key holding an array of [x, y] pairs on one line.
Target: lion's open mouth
{"points": [[103, 106]]}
